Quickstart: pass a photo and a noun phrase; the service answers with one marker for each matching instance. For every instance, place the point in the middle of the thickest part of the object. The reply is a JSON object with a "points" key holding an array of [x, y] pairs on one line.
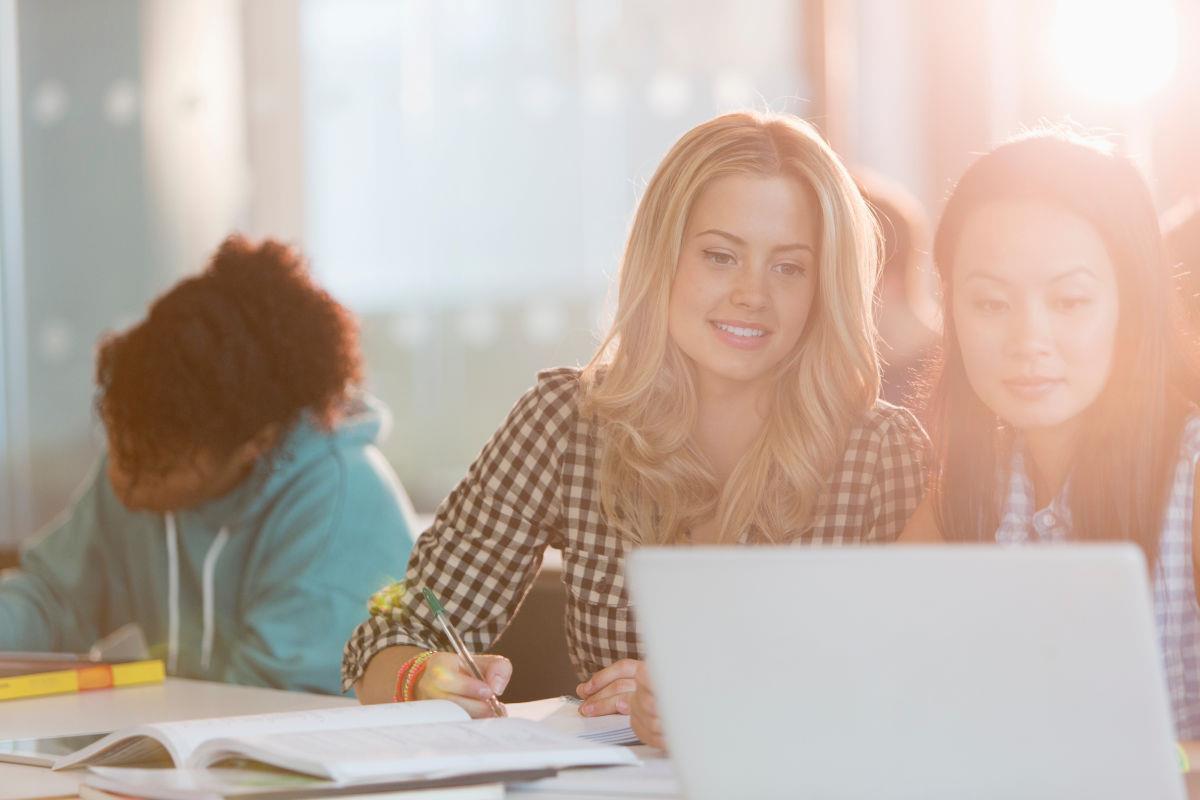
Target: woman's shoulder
{"points": [[885, 423], [881, 473], [887, 443], [549, 407], [555, 392], [558, 383]]}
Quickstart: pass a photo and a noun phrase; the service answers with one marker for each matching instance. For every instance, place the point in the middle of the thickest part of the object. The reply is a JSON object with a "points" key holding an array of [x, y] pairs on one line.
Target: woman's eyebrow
{"points": [[740, 241]]}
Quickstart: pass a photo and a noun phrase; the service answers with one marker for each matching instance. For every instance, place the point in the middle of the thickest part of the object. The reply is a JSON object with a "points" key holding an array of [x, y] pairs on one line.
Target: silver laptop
{"points": [[907, 672]]}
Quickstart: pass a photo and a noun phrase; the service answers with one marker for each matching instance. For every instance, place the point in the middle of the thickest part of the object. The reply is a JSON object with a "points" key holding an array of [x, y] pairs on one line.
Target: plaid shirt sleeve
{"points": [[485, 546], [902, 456]]}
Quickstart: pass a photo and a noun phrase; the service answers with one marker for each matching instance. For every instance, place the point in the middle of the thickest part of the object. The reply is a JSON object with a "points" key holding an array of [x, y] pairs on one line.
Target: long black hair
{"points": [[1123, 461]]}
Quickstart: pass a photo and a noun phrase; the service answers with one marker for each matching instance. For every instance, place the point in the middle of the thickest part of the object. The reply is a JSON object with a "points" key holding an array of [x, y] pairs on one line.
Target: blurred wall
{"points": [[194, 129], [15, 490], [85, 204], [132, 167]]}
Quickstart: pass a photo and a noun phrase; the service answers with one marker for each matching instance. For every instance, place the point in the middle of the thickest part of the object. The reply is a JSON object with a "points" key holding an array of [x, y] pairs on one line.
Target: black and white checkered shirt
{"points": [[535, 485]]}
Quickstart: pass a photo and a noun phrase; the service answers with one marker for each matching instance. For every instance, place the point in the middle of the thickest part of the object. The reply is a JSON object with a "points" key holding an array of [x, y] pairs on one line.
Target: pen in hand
{"points": [[439, 614]]}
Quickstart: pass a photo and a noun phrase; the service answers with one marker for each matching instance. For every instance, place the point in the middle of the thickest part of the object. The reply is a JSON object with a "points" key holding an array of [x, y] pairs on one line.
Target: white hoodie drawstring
{"points": [[172, 595], [210, 567], [207, 598]]}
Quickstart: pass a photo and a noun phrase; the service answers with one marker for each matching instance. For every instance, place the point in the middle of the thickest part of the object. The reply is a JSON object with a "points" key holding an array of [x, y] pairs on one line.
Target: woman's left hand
{"points": [[610, 690], [624, 688], [644, 718]]}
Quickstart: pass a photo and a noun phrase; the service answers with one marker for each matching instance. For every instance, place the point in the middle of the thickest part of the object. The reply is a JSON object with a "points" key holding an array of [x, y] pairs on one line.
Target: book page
{"points": [[452, 748], [189, 783], [204, 784], [142, 744], [562, 714], [654, 777], [178, 740]]}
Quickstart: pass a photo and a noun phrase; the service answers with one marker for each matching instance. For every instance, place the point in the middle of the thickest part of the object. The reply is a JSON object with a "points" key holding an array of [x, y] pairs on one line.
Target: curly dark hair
{"points": [[249, 342]]}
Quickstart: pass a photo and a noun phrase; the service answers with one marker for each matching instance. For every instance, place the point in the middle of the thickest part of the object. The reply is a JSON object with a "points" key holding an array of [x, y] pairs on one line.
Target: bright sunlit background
{"points": [[1115, 51], [462, 172]]}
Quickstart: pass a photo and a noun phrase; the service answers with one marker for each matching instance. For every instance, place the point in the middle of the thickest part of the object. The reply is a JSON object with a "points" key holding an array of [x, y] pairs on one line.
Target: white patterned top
{"points": [[1176, 613]]}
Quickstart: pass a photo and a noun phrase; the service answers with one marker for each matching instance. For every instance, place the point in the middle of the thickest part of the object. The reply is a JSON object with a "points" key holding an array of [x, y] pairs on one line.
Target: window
{"points": [[471, 170]]}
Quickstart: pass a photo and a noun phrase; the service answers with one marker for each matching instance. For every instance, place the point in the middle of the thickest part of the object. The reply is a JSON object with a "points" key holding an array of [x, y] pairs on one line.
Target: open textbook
{"points": [[130, 783], [353, 744]]}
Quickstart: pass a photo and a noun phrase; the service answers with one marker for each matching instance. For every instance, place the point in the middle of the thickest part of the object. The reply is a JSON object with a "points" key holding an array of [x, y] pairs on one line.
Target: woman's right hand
{"points": [[445, 678]]}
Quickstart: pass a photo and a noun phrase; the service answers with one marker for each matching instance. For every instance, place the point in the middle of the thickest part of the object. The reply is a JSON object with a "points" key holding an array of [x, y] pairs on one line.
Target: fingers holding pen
{"points": [[497, 672], [446, 679]]}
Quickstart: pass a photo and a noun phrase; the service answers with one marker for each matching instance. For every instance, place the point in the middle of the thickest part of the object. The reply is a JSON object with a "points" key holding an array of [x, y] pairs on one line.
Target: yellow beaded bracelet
{"points": [[414, 673]]}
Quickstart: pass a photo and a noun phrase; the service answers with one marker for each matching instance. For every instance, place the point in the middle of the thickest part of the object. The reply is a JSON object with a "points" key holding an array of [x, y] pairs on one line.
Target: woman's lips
{"points": [[737, 337], [1032, 388]]}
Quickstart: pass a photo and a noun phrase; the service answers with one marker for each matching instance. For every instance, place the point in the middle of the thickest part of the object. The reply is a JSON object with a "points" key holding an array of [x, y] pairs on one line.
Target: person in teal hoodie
{"points": [[242, 514]]}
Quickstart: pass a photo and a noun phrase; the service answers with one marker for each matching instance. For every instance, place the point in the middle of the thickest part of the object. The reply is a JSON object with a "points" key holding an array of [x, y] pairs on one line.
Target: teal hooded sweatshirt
{"points": [[262, 586]]}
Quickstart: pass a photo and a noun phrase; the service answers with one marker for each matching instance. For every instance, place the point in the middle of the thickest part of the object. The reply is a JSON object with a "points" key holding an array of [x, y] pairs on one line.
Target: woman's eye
{"points": [[720, 258], [788, 268], [1072, 303], [990, 305]]}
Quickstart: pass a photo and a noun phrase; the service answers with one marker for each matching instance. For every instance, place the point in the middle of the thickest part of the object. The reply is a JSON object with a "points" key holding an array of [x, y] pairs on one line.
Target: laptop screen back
{"points": [[930, 672]]}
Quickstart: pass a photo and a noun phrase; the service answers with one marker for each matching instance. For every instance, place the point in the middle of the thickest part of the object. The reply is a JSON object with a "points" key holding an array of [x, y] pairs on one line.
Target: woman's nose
{"points": [[750, 291], [1029, 332]]}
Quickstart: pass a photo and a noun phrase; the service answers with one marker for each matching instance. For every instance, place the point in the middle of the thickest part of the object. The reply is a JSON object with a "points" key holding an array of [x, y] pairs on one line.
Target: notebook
{"points": [[562, 714], [905, 672], [431, 739]]}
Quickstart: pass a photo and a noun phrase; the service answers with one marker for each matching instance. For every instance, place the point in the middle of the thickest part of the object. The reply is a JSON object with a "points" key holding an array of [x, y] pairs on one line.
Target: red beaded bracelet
{"points": [[414, 675], [404, 676], [398, 692]]}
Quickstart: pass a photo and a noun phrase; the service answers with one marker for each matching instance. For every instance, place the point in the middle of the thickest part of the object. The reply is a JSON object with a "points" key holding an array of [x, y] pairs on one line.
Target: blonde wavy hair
{"points": [[640, 388]]}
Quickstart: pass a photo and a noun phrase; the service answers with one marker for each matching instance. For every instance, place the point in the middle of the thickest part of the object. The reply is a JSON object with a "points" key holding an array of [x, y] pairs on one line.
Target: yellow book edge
{"points": [[81, 679]]}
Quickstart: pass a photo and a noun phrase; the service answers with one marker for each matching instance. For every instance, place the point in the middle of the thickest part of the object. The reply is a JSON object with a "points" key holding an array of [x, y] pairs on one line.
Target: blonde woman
{"points": [[733, 402]]}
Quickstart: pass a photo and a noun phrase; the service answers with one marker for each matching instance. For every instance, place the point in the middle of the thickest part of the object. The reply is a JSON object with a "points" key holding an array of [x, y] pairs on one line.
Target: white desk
{"points": [[182, 699], [176, 699]]}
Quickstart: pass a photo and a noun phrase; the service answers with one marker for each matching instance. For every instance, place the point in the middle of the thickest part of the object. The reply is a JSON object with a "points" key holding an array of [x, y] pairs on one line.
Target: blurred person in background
{"points": [[735, 401], [241, 515], [903, 298], [1065, 407]]}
